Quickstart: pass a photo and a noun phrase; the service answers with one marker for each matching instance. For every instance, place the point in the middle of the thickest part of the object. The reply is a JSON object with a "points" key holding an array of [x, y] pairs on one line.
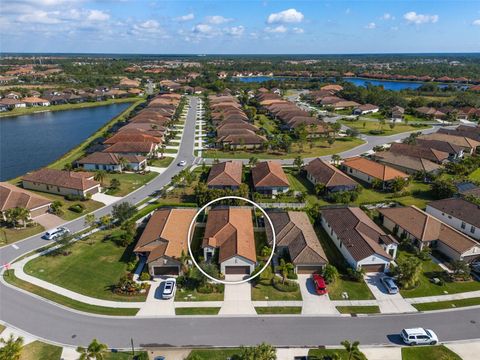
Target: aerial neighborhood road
{"points": [[58, 324]]}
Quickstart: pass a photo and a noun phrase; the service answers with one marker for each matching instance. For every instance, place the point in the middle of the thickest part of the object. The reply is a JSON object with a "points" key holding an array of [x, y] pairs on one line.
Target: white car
{"points": [[54, 233], [419, 336], [169, 288], [182, 163], [389, 284]]}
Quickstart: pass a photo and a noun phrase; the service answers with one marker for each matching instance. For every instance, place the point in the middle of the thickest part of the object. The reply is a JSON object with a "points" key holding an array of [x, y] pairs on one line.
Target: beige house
{"points": [[12, 197]]}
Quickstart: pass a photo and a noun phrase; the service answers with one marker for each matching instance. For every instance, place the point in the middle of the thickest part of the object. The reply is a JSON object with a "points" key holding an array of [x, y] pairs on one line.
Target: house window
{"points": [[351, 171], [463, 225], [472, 229], [341, 244], [58, 189]]}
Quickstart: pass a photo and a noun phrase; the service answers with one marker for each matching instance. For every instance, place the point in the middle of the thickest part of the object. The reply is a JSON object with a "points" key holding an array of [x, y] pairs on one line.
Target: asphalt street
{"points": [[55, 323]]}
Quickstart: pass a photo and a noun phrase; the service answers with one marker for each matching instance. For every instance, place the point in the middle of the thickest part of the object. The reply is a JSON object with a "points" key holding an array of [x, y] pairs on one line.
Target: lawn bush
{"points": [[376, 132], [74, 197], [78, 208], [145, 276], [287, 286]]}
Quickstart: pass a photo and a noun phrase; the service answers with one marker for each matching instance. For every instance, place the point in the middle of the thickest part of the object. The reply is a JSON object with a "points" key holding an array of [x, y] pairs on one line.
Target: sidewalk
{"points": [[459, 296], [155, 304], [237, 298]]}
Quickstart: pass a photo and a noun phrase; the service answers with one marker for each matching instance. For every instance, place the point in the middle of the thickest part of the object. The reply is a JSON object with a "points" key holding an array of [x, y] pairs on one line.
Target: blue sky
{"points": [[239, 26]]}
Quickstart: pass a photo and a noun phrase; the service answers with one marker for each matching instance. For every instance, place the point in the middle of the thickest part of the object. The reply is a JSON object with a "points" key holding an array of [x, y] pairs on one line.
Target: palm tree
{"points": [[336, 159], [353, 352], [252, 161], [100, 176], [285, 268], [184, 262], [95, 350], [319, 188], [11, 348], [23, 215], [123, 163]]}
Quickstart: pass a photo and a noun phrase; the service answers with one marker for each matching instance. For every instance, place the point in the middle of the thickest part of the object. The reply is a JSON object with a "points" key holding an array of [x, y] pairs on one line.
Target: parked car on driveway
{"points": [[419, 336], [389, 284], [54, 233], [169, 288], [182, 163], [320, 285]]}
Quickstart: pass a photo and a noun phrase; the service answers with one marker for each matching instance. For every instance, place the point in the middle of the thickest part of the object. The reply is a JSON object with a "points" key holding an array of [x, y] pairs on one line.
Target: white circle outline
{"points": [[190, 233]]}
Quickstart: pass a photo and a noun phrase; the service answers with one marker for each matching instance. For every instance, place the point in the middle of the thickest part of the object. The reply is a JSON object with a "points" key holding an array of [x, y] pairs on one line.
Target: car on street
{"points": [[320, 284], [55, 233], [389, 284], [182, 163], [169, 288], [419, 336]]}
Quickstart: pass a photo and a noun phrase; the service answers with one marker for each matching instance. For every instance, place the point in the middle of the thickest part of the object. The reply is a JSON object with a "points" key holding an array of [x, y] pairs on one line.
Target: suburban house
{"points": [[368, 171], [322, 172], [112, 162], [362, 242], [398, 114], [459, 213], [9, 104], [12, 197], [467, 139], [296, 236], [146, 149], [366, 109], [35, 101], [408, 164], [164, 239], [419, 151], [422, 229], [225, 175], [269, 178], [61, 182], [229, 231]]}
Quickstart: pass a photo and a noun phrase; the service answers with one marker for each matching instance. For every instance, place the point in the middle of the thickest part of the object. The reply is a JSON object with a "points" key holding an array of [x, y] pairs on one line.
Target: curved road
{"points": [[58, 324]]}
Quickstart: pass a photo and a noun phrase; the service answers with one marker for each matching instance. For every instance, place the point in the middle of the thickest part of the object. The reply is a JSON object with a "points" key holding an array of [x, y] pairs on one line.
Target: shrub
{"points": [[292, 275], [78, 208], [355, 275], [145, 276], [376, 132], [74, 197], [287, 286], [330, 273], [131, 265]]}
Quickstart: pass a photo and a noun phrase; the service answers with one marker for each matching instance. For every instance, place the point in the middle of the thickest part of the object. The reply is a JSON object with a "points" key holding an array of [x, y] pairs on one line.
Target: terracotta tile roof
{"points": [[166, 233], [12, 196], [328, 174], [360, 236], [228, 173], [34, 100], [459, 208], [425, 227], [109, 158], [294, 230], [269, 174], [231, 230], [374, 169], [332, 87], [78, 180], [131, 147], [408, 162]]}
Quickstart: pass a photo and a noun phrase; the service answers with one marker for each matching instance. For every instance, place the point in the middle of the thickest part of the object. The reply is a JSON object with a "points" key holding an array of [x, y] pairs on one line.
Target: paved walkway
{"points": [[106, 199], [312, 302], [49, 221], [155, 304], [291, 353], [466, 350], [156, 169], [69, 353], [237, 298], [27, 338], [459, 296], [388, 303], [382, 353]]}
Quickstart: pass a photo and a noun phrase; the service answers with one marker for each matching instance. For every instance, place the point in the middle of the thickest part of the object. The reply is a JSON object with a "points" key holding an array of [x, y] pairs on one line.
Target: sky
{"points": [[239, 26]]}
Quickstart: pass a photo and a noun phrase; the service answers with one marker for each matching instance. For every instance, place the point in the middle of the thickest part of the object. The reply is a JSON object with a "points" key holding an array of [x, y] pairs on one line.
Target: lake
{"points": [[29, 142]]}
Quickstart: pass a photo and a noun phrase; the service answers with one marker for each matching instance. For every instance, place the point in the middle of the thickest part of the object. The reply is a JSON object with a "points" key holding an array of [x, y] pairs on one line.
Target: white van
{"points": [[54, 233]]}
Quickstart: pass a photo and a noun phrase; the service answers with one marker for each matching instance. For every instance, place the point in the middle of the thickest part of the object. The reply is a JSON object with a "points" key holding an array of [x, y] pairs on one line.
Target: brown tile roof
{"points": [[332, 87], [360, 236], [425, 227], [228, 173], [34, 100], [78, 180], [247, 137], [166, 233], [269, 174], [459, 208], [408, 162], [131, 147], [466, 140], [294, 230], [231, 230], [328, 174], [132, 137], [440, 145], [374, 169], [419, 151], [12, 196], [109, 158]]}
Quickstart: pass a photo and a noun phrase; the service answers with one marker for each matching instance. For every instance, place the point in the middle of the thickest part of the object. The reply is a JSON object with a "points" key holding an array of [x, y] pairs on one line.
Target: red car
{"points": [[320, 285]]}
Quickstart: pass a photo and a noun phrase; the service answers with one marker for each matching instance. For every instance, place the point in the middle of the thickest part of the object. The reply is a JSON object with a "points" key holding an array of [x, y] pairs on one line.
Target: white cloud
{"points": [[476, 22], [40, 17], [285, 16], [235, 31], [387, 16], [278, 29], [298, 30], [413, 18], [186, 17], [371, 26], [204, 30], [97, 15], [217, 19]]}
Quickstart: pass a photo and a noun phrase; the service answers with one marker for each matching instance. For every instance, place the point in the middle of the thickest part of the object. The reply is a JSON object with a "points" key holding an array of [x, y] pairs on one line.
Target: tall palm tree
{"points": [[11, 348], [285, 268], [95, 350], [123, 163], [252, 161], [184, 258], [100, 176], [23, 215], [353, 352], [336, 159]]}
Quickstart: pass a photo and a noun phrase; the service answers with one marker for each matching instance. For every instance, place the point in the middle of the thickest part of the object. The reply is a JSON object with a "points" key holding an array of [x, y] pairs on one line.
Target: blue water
{"points": [[29, 142]]}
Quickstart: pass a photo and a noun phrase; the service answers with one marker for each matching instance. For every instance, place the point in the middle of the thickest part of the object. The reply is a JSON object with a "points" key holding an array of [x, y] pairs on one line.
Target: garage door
{"points": [[374, 268], [237, 270], [308, 269], [39, 211], [165, 270]]}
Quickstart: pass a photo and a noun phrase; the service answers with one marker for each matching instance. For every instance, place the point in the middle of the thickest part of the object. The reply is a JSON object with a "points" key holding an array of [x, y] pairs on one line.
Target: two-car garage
{"points": [[237, 270], [165, 270]]}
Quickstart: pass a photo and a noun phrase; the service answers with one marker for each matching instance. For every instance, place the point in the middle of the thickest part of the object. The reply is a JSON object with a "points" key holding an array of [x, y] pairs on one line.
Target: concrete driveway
{"points": [[388, 303], [155, 304], [313, 303], [106, 199], [237, 298], [49, 221]]}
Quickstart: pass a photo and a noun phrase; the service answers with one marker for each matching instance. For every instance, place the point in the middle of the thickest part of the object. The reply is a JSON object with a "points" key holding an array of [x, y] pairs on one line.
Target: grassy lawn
{"points": [[262, 292], [265, 310], [194, 295], [266, 123], [197, 311], [321, 148], [428, 288], [128, 182], [358, 309], [9, 235], [447, 304], [167, 160], [10, 278], [121, 355], [213, 354], [366, 126], [320, 354], [429, 353], [92, 269], [355, 290], [475, 175], [38, 350]]}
